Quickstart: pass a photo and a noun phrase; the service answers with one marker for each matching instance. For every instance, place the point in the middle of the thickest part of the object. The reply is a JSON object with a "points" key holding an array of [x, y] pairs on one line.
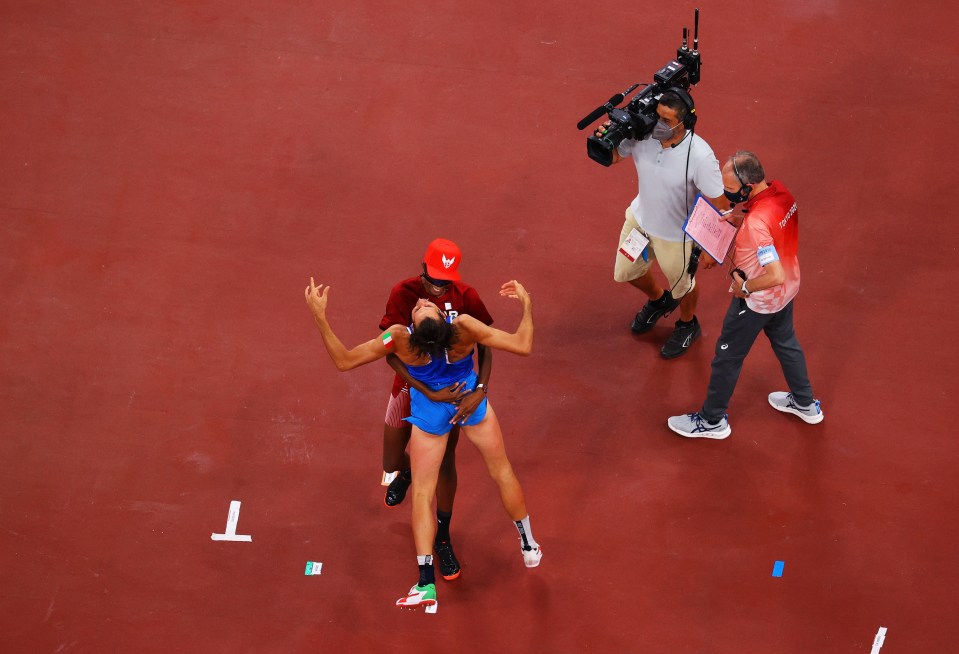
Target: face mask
{"points": [[738, 196], [662, 131]]}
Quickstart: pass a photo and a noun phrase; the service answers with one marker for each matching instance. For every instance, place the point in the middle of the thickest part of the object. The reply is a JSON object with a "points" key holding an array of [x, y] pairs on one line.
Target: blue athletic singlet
{"points": [[434, 417]]}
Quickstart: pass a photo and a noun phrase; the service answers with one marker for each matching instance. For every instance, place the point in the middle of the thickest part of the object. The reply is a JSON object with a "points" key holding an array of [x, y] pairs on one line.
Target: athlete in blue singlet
{"points": [[439, 353], [434, 417]]}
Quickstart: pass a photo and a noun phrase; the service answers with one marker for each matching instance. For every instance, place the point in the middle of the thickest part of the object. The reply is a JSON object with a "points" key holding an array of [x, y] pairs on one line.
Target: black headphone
{"points": [[745, 189], [689, 120]]}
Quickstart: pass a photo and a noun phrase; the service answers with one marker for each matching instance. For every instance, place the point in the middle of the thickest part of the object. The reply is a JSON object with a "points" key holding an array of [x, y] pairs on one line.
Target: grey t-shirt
{"points": [[668, 185]]}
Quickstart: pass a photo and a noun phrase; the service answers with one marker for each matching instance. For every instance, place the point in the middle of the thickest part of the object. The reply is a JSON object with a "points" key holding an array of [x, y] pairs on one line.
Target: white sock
{"points": [[525, 534]]}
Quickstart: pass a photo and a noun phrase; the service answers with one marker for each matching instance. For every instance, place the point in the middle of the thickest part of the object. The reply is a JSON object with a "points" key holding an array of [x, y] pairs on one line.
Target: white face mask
{"points": [[663, 132]]}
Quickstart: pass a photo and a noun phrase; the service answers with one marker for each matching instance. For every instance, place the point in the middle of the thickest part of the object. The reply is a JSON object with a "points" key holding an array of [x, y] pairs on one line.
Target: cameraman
{"points": [[673, 166]]}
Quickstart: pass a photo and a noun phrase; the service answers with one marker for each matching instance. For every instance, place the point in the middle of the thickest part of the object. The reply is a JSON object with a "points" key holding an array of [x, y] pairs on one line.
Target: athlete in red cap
{"points": [[439, 283], [437, 350]]}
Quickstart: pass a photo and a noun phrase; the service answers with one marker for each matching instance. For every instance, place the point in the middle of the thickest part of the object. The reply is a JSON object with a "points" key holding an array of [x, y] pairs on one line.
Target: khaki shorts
{"points": [[673, 258]]}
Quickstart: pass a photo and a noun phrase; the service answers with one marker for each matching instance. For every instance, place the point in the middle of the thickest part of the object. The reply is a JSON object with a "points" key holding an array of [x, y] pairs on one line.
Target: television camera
{"points": [[638, 118]]}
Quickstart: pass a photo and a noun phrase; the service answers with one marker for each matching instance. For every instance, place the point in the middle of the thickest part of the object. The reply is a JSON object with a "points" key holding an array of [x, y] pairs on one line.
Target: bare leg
{"points": [[394, 448], [426, 453], [488, 439], [446, 486], [687, 306], [648, 285]]}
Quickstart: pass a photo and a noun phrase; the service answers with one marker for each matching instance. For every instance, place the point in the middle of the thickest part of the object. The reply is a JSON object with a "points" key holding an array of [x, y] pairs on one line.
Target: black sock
{"points": [[407, 475], [443, 526], [684, 323], [427, 576]]}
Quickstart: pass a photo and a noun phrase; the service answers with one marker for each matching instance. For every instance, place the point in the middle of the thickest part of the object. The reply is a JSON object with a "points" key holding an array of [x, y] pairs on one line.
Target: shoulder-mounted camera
{"points": [[638, 118]]}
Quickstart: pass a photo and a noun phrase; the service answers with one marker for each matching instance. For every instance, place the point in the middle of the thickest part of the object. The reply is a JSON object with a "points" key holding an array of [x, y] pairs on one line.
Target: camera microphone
{"points": [[609, 106]]}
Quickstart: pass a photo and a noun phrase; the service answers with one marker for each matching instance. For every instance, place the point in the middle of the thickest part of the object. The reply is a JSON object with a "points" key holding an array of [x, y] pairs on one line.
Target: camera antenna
{"points": [[685, 31], [695, 32]]}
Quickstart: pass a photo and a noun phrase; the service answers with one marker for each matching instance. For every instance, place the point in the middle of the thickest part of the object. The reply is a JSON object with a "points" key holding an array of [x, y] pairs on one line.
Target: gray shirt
{"points": [[668, 184]]}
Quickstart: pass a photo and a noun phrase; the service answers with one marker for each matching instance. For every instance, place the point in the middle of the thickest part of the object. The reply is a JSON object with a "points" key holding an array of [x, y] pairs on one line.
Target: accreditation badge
{"points": [[634, 246]]}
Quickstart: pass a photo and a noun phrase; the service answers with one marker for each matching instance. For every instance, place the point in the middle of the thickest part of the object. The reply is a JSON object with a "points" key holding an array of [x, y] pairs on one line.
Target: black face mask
{"points": [[739, 196]]}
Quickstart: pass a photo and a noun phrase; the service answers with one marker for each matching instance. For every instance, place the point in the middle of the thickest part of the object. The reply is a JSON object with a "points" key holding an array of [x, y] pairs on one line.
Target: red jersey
{"points": [[770, 233], [459, 298]]}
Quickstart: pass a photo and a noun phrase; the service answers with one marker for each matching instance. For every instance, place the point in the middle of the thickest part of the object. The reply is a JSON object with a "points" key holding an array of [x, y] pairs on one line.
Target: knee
{"points": [[502, 473]]}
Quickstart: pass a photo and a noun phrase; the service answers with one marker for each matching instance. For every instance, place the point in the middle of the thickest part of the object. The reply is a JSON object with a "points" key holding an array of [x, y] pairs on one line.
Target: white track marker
{"points": [[232, 518], [877, 642]]}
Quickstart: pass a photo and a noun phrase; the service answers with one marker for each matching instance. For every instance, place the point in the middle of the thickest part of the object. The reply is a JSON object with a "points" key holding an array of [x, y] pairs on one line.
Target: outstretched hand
{"points": [[513, 289], [316, 297]]}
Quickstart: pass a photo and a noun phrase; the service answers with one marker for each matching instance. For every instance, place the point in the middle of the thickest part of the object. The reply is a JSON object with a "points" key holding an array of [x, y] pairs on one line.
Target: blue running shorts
{"points": [[434, 417]]}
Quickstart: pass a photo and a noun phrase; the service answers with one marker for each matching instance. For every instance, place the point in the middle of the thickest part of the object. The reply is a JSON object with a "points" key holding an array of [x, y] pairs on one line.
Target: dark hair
{"points": [[432, 336], [673, 101], [748, 166]]}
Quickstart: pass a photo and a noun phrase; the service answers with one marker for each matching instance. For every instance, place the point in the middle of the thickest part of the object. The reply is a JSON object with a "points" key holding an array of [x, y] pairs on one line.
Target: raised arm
{"points": [[344, 359], [520, 341]]}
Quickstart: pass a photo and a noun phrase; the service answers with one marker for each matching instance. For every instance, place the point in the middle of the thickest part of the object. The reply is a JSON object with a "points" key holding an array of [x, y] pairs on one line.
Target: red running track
{"points": [[171, 175]]}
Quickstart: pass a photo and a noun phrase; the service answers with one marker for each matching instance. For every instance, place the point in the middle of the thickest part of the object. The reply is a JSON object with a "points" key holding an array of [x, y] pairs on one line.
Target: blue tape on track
{"points": [[778, 568]]}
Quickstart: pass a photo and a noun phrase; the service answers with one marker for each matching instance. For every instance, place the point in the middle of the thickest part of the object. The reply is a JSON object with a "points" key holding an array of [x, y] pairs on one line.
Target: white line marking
{"points": [[878, 640], [232, 518]]}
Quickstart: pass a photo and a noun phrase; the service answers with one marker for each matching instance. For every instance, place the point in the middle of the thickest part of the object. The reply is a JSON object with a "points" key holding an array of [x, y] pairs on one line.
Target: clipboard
{"points": [[705, 225]]}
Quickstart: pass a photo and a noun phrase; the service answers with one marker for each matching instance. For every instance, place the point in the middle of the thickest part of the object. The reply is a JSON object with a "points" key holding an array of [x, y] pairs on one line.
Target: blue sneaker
{"points": [[693, 425], [786, 403]]}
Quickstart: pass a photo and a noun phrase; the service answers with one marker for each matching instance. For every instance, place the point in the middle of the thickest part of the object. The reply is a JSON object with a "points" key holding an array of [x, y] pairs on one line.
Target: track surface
{"points": [[171, 175]]}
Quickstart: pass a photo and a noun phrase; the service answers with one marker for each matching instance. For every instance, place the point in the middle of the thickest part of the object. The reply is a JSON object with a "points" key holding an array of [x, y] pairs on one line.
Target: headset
{"points": [[745, 189], [689, 120]]}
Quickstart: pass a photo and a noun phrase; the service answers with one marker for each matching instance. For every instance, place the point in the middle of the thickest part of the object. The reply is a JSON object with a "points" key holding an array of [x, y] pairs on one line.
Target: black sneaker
{"points": [[653, 311], [396, 491], [684, 335], [449, 566]]}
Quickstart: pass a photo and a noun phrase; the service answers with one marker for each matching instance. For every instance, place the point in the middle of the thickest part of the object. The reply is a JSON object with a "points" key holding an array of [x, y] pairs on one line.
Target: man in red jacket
{"points": [[439, 283], [765, 282]]}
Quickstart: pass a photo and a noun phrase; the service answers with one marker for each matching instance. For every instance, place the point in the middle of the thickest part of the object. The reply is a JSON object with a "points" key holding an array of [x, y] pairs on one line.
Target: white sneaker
{"points": [[692, 425], [532, 556], [419, 595], [785, 402]]}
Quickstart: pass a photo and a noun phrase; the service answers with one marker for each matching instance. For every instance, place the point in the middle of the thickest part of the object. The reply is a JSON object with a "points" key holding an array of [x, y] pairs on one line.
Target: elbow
{"points": [[344, 366]]}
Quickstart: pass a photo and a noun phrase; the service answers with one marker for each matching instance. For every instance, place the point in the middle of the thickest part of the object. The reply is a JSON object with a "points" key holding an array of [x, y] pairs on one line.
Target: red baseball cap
{"points": [[442, 258]]}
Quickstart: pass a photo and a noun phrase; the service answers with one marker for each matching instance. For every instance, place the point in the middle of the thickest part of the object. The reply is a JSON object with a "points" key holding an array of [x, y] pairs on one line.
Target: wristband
{"points": [[481, 387], [744, 289]]}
